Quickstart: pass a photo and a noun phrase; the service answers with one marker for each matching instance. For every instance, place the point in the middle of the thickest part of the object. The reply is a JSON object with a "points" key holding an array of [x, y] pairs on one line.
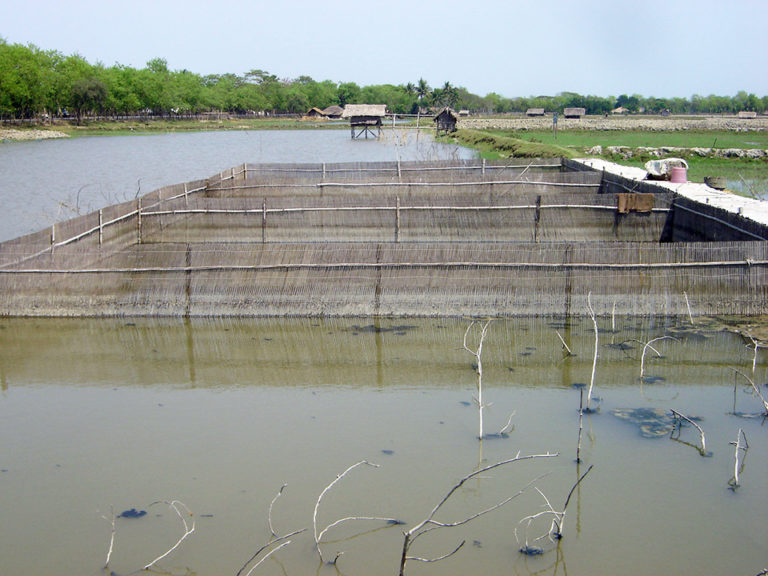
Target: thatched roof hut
{"points": [[366, 117], [574, 112], [747, 114], [446, 119], [333, 112], [314, 113], [534, 112], [375, 111]]}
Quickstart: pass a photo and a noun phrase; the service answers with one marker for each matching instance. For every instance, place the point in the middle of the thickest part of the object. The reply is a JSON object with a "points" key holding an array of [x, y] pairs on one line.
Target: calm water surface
{"points": [[100, 415], [52, 180]]}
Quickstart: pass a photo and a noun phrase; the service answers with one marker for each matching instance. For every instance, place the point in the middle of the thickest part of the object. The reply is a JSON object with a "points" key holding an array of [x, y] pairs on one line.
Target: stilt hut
{"points": [[446, 120], [365, 119]]}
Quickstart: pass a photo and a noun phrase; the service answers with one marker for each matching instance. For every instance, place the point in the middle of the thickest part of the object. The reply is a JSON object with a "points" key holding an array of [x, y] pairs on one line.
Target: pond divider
{"points": [[425, 239]]}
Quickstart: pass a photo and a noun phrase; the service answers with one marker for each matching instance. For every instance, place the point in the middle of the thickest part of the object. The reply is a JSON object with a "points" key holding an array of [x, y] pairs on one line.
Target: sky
{"points": [[661, 48]]}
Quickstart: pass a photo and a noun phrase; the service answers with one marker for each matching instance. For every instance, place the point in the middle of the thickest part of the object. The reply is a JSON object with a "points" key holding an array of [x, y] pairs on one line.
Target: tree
{"points": [[88, 94], [348, 93]]}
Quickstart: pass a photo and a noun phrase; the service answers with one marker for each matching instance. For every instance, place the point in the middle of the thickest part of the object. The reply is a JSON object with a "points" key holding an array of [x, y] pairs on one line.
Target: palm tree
{"points": [[422, 90]]}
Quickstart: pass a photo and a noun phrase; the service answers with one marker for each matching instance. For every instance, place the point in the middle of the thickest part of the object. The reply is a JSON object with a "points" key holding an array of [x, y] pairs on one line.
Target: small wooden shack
{"points": [[747, 114], [445, 120], [365, 119], [532, 112], [314, 113], [574, 112]]}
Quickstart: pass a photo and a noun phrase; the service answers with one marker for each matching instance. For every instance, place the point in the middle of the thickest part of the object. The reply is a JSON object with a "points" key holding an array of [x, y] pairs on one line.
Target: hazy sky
{"points": [[659, 48]]}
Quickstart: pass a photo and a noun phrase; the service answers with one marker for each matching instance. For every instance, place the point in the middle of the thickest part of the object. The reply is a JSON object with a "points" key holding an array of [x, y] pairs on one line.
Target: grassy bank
{"points": [[753, 173], [507, 145]]}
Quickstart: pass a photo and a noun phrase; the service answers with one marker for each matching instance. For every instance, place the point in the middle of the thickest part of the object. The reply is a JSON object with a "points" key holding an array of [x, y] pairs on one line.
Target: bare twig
{"points": [[679, 418], [647, 345], [688, 305], [478, 354], [509, 424], [271, 504], [565, 346], [429, 523], [176, 506], [111, 520], [319, 534], [757, 391], [283, 539], [581, 423], [755, 346], [559, 532], [594, 360], [738, 466]]}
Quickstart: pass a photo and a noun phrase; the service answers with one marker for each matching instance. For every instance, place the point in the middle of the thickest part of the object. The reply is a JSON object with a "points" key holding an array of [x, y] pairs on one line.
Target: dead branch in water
{"points": [[271, 504], [318, 535], [679, 424], [647, 345], [429, 523], [558, 518], [594, 360], [757, 391], [176, 506], [565, 346], [111, 520], [478, 354], [284, 542], [738, 466]]}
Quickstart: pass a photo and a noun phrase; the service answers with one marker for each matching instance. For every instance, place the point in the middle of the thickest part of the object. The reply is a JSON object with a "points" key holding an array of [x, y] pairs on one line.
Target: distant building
{"points": [[620, 110], [534, 112], [315, 113], [365, 119], [574, 112], [333, 112], [445, 120], [747, 114]]}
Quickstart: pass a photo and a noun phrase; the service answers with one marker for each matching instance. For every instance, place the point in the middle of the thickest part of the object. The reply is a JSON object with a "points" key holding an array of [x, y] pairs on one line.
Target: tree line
{"points": [[37, 83]]}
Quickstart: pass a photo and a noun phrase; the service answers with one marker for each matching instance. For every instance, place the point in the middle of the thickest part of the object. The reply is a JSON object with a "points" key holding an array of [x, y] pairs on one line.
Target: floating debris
{"points": [[653, 422], [653, 379], [531, 550], [381, 329], [132, 513], [388, 452]]}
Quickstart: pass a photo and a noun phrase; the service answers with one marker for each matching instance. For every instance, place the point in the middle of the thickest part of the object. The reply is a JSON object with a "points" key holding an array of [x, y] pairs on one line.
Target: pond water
{"points": [[113, 415], [53, 180]]}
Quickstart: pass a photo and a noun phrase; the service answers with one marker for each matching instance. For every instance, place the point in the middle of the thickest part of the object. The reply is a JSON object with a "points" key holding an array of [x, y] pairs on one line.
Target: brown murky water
{"points": [[114, 414]]}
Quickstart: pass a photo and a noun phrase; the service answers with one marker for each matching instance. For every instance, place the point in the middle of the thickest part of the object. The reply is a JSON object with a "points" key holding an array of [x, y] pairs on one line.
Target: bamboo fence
{"points": [[391, 239]]}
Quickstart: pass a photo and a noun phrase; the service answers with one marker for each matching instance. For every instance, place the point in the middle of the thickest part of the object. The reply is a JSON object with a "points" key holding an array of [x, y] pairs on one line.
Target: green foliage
{"points": [[493, 145], [34, 82]]}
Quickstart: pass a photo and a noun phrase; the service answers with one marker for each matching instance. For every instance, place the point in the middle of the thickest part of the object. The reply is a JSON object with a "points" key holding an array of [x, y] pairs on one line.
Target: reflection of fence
{"points": [[452, 238]]}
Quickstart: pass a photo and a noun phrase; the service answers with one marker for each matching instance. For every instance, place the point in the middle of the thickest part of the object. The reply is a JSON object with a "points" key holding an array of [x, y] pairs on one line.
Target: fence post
{"points": [[186, 196], [397, 221], [138, 220], [53, 237], [264, 221], [483, 168], [101, 227]]}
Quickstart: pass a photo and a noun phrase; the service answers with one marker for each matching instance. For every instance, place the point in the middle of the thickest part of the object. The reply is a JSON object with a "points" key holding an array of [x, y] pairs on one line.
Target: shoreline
{"points": [[14, 135]]}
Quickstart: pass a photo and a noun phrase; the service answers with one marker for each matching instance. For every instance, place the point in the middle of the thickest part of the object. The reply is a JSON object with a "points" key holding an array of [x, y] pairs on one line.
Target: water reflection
{"points": [[220, 413]]}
